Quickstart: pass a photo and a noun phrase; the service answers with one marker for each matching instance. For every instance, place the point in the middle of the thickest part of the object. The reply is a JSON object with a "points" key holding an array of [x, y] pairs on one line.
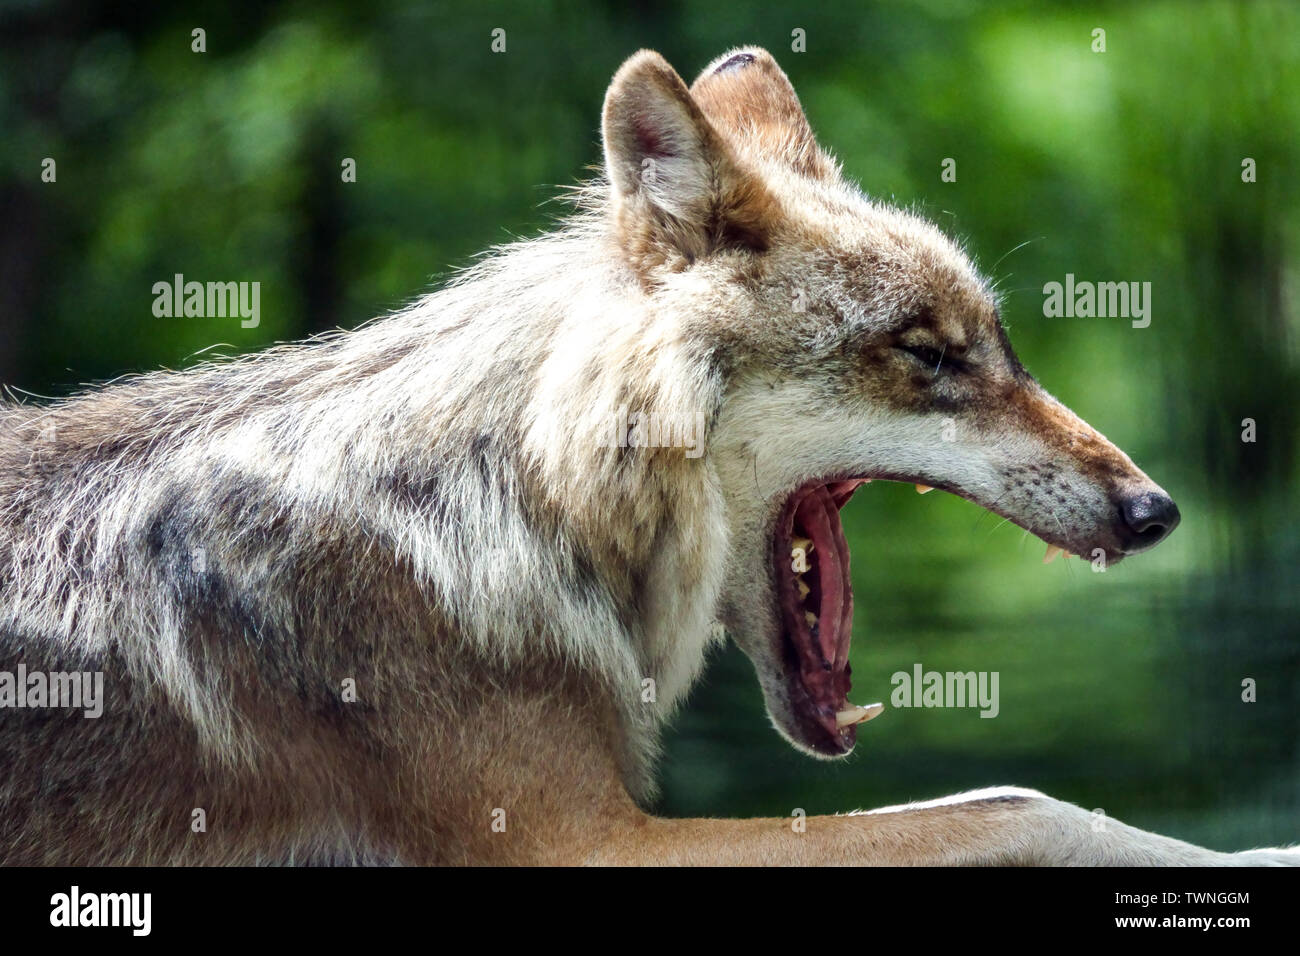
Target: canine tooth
{"points": [[803, 588], [810, 618], [1052, 552], [923, 489], [854, 714]]}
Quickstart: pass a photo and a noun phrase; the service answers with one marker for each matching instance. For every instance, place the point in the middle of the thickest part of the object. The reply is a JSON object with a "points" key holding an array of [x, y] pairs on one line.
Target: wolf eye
{"points": [[930, 357]]}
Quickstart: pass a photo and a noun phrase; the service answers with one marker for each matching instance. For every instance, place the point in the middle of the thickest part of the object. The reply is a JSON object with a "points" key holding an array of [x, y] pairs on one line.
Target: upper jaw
{"points": [[1097, 538]]}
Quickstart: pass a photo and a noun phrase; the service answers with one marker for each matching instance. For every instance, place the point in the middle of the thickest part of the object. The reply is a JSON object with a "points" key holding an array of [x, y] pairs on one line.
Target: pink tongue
{"points": [[814, 515]]}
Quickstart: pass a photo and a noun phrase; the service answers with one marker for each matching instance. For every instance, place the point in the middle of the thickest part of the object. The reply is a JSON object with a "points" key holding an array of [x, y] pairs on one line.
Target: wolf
{"points": [[395, 595]]}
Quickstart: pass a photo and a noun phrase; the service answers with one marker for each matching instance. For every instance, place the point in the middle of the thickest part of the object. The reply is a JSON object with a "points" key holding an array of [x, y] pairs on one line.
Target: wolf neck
{"points": [[638, 522], [610, 553]]}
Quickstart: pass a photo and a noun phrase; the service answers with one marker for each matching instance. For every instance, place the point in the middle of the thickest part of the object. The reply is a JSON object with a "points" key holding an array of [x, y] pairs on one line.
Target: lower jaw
{"points": [[813, 736]]}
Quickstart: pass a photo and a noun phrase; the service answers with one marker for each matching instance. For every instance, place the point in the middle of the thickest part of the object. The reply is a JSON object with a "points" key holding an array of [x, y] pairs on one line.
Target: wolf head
{"points": [[853, 342]]}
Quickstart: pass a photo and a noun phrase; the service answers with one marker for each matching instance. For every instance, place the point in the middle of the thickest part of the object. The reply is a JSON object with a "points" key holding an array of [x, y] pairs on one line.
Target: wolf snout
{"points": [[1146, 519]]}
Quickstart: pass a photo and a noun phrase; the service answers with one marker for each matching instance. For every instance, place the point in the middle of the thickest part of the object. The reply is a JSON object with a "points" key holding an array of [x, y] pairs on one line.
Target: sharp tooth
{"points": [[801, 544], [803, 588], [923, 489], [1052, 552], [810, 618], [854, 714]]}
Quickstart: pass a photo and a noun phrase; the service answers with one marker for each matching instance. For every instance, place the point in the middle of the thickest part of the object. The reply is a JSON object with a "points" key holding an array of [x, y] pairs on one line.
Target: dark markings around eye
{"points": [[936, 360], [1004, 343], [926, 355]]}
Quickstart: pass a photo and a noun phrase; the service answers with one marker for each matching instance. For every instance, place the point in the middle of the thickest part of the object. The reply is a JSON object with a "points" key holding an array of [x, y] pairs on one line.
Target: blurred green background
{"points": [[1119, 691]]}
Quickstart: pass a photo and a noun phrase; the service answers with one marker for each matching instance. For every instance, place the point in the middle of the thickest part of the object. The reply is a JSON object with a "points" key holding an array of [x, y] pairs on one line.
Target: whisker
{"points": [[1015, 249]]}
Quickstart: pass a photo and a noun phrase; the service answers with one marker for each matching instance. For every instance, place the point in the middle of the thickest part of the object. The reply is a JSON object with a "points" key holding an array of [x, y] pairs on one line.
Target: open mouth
{"points": [[816, 604], [815, 595]]}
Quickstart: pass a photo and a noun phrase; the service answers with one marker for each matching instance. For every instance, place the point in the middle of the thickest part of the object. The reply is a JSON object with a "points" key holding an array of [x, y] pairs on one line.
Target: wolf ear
{"points": [[674, 179], [751, 101]]}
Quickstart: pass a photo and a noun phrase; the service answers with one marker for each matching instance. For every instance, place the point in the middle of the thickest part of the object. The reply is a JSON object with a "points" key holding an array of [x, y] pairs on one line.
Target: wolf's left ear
{"points": [[751, 101], [674, 179]]}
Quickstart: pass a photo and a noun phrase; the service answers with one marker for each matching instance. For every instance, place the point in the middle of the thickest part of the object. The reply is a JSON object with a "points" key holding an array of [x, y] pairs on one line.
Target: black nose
{"points": [[1148, 519]]}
